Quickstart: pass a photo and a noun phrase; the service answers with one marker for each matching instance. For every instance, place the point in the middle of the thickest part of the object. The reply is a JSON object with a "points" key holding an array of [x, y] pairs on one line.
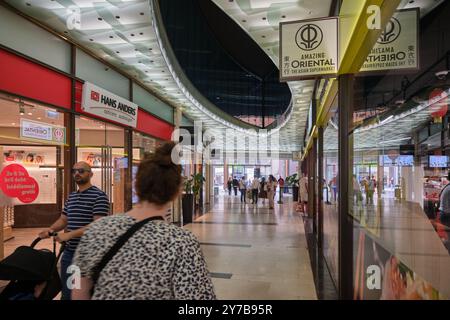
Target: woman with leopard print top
{"points": [[160, 260]]}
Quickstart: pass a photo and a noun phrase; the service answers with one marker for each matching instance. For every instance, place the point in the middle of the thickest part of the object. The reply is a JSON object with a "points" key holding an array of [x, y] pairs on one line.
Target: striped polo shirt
{"points": [[80, 209]]}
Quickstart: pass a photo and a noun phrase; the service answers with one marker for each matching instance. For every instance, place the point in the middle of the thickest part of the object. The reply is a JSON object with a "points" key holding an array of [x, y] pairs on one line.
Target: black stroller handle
{"points": [[38, 239]]}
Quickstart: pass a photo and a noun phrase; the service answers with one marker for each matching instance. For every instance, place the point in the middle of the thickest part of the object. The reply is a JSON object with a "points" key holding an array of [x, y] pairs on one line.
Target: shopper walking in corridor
{"points": [[255, 190], [235, 185], [229, 185], [82, 207], [271, 190], [243, 188], [138, 255]]}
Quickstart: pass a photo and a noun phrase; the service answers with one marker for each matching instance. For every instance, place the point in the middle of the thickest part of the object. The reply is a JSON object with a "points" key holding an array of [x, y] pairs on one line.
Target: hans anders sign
{"points": [[397, 47], [309, 48], [105, 104]]}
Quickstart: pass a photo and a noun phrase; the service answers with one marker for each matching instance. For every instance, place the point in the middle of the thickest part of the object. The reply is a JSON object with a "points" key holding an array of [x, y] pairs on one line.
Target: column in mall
{"points": [[2, 224], [176, 137], [345, 156], [320, 189]]}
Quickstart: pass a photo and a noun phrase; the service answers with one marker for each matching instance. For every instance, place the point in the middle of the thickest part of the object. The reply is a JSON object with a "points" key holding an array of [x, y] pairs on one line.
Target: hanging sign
{"points": [[107, 105], [33, 130], [308, 49], [398, 46], [16, 183]]}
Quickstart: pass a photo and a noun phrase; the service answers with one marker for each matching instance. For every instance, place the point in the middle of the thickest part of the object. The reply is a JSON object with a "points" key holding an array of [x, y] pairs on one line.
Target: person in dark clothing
{"points": [[229, 185], [235, 185]]}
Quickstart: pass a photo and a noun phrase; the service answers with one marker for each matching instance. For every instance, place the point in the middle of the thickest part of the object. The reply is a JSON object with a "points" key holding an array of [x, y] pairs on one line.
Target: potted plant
{"points": [[187, 200], [293, 181], [197, 186]]}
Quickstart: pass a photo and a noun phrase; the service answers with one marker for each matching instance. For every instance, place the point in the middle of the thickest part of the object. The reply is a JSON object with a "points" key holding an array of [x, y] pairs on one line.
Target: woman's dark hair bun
{"points": [[163, 156], [158, 179]]}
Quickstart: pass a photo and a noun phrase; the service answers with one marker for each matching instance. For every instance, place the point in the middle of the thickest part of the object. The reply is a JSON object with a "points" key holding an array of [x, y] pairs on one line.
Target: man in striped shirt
{"points": [[81, 208]]}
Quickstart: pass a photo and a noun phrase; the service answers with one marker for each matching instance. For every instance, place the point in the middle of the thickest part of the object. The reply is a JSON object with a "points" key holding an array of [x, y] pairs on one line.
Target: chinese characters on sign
{"points": [[397, 47], [308, 49]]}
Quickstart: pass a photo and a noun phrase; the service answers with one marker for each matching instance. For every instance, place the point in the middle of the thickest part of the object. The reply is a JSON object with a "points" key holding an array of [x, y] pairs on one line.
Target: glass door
{"points": [[101, 145]]}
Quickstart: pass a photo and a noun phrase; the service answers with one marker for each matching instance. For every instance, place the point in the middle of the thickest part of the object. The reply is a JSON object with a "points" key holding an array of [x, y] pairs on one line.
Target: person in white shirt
{"points": [[243, 188], [255, 189], [271, 189]]}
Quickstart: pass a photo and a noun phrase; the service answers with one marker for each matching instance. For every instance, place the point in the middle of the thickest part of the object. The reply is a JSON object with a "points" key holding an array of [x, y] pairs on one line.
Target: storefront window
{"points": [[331, 195], [400, 167], [102, 146], [32, 142]]}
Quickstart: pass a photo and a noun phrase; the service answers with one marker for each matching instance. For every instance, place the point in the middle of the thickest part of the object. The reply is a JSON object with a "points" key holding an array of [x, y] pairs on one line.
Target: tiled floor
{"points": [[251, 252], [267, 254]]}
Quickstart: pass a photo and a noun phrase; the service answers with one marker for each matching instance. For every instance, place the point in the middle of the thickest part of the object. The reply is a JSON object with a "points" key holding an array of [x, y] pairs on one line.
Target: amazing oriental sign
{"points": [[309, 48]]}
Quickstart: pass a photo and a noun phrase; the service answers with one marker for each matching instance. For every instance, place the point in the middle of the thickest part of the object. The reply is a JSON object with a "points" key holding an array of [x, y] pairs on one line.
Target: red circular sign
{"points": [[16, 183]]}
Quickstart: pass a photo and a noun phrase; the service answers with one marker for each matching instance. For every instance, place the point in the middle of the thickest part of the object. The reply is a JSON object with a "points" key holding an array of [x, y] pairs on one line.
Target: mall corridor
{"points": [[254, 253]]}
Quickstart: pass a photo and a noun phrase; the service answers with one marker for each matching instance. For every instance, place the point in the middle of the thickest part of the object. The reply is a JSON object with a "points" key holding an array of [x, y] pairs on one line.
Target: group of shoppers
{"points": [[134, 255], [259, 188]]}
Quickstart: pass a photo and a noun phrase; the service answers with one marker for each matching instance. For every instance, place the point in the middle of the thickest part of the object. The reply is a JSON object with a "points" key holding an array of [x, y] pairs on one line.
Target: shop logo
{"points": [[95, 96], [391, 32], [58, 134], [309, 37]]}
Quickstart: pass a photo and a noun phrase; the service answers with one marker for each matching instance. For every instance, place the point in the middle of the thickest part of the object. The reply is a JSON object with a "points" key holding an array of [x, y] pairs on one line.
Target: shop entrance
{"points": [[102, 146]]}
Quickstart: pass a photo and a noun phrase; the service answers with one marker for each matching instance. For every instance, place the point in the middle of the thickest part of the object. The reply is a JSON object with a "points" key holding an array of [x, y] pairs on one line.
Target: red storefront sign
{"points": [[16, 183]]}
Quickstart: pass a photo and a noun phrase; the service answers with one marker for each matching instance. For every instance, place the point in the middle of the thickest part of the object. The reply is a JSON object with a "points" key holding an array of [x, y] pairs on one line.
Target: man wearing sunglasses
{"points": [[81, 208]]}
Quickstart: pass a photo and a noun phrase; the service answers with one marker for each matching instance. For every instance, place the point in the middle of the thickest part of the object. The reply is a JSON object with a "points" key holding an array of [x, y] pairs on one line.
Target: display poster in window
{"points": [[15, 182], [398, 46], [308, 49], [381, 275], [24, 157]]}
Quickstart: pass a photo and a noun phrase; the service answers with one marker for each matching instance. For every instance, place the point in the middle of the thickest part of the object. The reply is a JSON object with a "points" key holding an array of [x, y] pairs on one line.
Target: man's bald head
{"points": [[82, 165]]}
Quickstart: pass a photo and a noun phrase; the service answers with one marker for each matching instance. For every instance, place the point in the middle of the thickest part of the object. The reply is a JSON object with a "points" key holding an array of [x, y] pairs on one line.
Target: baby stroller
{"points": [[32, 273]]}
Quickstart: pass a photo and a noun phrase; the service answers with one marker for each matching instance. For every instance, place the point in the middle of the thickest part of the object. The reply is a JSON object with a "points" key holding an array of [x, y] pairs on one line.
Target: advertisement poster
{"points": [[94, 159], [15, 182], [309, 48], [23, 157], [380, 275]]}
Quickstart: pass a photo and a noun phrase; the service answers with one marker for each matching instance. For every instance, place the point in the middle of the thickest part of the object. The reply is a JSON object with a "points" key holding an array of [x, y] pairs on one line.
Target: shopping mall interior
{"points": [[344, 102]]}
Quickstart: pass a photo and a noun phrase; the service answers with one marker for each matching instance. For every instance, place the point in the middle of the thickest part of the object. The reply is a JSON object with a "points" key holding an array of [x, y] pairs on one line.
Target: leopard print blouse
{"points": [[160, 261]]}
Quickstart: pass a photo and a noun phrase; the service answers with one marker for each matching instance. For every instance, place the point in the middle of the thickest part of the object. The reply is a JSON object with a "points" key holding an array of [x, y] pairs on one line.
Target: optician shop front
{"points": [[50, 120]]}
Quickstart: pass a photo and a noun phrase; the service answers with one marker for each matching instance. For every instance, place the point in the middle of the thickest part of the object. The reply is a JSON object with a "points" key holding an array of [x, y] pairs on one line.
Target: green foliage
{"points": [[193, 184], [292, 180]]}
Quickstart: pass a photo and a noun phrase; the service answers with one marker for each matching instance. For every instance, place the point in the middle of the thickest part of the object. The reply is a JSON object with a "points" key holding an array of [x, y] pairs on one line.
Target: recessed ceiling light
{"points": [[13, 123], [30, 113]]}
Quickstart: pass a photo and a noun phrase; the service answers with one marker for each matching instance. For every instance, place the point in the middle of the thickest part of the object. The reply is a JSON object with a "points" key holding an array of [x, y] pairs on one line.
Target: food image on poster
{"points": [[380, 275]]}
